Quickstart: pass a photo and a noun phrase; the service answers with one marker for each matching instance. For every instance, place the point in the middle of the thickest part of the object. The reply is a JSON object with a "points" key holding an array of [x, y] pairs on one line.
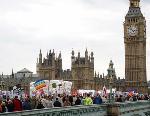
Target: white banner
{"points": [[52, 87]]}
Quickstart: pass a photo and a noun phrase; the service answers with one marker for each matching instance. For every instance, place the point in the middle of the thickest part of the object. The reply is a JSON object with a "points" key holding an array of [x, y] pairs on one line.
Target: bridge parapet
{"points": [[96, 110], [142, 108], [139, 108]]}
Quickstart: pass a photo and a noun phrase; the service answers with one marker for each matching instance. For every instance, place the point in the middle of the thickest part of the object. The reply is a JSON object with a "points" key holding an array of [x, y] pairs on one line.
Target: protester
{"points": [[120, 99], [104, 99], [10, 105], [60, 99], [57, 103], [67, 102], [71, 100], [88, 100], [40, 105], [17, 104], [131, 98], [45, 101], [74, 99], [134, 98], [146, 97], [2, 106], [26, 104], [34, 102], [97, 100], [50, 102], [78, 101]]}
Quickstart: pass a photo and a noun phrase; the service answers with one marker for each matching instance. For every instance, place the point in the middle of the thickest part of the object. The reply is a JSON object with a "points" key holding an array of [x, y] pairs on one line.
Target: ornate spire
{"points": [[95, 74], [92, 54], [47, 55], [98, 74], [72, 57], [111, 64], [92, 58], [12, 74], [78, 54], [59, 57], [72, 52], [40, 51], [86, 56], [40, 57], [2, 75], [134, 3], [86, 52]]}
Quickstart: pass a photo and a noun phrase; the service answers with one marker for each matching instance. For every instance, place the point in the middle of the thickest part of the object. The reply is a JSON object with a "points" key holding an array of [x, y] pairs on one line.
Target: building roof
{"points": [[24, 71], [35, 75], [134, 12]]}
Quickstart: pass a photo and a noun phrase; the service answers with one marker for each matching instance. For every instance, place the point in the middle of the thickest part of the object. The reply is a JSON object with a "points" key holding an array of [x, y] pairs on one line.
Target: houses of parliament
{"points": [[82, 73]]}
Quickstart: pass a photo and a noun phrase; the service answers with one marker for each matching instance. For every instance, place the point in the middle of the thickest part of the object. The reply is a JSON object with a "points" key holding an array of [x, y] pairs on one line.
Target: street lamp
{"points": [[112, 108], [110, 94]]}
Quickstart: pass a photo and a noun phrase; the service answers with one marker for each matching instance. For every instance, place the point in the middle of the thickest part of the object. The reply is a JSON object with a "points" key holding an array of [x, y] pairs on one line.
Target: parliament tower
{"points": [[135, 49], [50, 67], [82, 69]]}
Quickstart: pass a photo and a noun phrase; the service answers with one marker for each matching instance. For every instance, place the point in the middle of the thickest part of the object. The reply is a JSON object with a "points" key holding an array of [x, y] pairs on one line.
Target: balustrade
{"points": [[142, 108]]}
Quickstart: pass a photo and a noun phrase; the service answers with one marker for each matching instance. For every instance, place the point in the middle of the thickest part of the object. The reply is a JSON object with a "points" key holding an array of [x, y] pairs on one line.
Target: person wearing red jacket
{"points": [[17, 104]]}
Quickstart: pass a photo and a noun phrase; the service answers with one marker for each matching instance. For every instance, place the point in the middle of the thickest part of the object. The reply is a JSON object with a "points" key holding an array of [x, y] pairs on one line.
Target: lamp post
{"points": [[112, 108], [110, 94]]}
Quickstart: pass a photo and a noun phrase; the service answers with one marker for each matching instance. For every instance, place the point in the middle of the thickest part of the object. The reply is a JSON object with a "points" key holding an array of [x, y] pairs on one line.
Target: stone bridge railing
{"points": [[93, 110], [139, 108]]}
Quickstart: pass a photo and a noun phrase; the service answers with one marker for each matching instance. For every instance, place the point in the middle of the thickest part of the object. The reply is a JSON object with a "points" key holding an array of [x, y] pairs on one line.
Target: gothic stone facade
{"points": [[50, 67], [81, 74], [135, 49], [82, 70]]}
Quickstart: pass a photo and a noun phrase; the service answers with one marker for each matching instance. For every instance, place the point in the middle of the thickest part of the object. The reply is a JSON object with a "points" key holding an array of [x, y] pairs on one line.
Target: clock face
{"points": [[132, 30]]}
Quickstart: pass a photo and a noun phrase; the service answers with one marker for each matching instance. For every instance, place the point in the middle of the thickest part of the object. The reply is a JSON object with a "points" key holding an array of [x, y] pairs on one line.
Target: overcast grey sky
{"points": [[26, 26]]}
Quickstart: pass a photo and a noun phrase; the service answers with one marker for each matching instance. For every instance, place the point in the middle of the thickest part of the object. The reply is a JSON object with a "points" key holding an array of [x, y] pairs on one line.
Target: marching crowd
{"points": [[11, 105], [27, 103]]}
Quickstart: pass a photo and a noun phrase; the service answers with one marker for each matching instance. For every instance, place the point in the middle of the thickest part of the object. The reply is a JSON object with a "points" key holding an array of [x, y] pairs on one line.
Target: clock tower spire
{"points": [[135, 49], [134, 3]]}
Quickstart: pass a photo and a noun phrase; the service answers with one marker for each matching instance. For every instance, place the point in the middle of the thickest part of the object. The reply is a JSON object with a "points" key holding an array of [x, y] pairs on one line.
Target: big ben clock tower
{"points": [[135, 49]]}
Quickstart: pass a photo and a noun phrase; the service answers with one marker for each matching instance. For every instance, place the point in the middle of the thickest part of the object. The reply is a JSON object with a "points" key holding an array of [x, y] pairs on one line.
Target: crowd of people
{"points": [[134, 97], [27, 103], [38, 102]]}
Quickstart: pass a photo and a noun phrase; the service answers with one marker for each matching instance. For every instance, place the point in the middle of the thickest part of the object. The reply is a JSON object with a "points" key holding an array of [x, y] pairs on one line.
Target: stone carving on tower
{"points": [[49, 68], [135, 48], [111, 70]]}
